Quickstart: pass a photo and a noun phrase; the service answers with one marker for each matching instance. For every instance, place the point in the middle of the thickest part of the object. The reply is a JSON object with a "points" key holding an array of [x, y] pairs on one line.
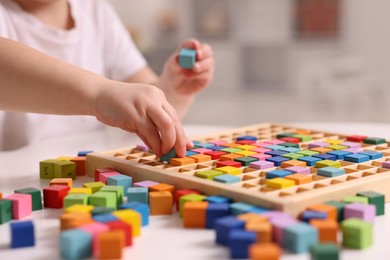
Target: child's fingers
{"points": [[204, 52], [204, 65], [180, 145], [150, 133], [189, 143], [144, 140], [191, 43], [165, 125]]}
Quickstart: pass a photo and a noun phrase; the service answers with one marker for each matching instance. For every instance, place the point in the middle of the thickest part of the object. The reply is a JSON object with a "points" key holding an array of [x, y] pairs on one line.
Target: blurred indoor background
{"points": [[276, 60]]}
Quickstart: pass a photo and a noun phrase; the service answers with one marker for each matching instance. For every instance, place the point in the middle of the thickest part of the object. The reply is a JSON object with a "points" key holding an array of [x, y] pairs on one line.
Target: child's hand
{"points": [[176, 80], [144, 110]]}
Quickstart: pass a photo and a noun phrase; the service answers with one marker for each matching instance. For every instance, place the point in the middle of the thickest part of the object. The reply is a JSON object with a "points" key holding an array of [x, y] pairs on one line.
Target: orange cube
{"points": [[1, 195], [111, 244], [181, 161], [162, 187], [81, 166], [74, 220], [322, 150], [330, 211], [262, 229], [62, 181], [293, 163], [231, 145], [160, 202], [194, 214], [229, 157], [252, 217], [200, 158], [266, 251], [300, 178], [327, 229]]}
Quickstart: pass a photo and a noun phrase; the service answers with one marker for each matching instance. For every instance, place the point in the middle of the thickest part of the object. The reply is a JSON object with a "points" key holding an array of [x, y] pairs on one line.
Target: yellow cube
{"points": [[246, 147], [65, 158], [79, 208], [80, 191], [280, 183], [245, 153], [229, 170], [333, 141], [337, 147], [131, 217]]}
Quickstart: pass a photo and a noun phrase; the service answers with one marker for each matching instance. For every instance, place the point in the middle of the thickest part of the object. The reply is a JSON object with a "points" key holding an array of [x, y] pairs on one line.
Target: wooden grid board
{"points": [[252, 188]]}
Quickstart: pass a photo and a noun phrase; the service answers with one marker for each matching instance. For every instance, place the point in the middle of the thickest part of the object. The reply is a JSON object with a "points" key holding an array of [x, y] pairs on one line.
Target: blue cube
{"points": [[168, 156], [357, 158], [216, 211], [311, 214], [140, 207], [309, 160], [278, 174], [204, 145], [216, 148], [258, 210], [298, 238], [83, 153], [120, 180], [277, 160], [330, 172], [239, 242], [139, 194], [290, 149], [189, 153], [276, 152], [326, 156], [75, 244], [238, 208], [104, 217], [227, 178], [22, 234], [339, 154], [372, 154], [187, 58], [246, 137], [218, 199], [223, 226]]}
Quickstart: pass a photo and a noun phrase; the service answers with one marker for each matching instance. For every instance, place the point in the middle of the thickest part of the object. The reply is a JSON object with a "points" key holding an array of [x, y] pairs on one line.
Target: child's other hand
{"points": [[189, 81], [144, 110]]}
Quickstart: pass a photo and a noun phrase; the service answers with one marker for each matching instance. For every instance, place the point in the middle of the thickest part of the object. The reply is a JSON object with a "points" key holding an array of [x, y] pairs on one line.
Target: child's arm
{"points": [[180, 85], [34, 82]]}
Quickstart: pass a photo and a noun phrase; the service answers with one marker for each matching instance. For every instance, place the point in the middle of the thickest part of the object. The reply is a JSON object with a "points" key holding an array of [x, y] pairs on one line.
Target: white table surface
{"points": [[164, 237]]}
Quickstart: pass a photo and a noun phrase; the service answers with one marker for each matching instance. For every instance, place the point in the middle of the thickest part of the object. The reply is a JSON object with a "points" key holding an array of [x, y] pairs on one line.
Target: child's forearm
{"points": [[34, 82]]}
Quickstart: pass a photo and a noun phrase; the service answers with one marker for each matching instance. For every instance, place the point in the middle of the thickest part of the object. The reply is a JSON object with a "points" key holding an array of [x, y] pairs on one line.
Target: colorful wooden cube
{"points": [[223, 226], [330, 172], [101, 170], [94, 229], [277, 174], [280, 183], [339, 207], [239, 242], [215, 211], [357, 158], [72, 199], [160, 202], [376, 199], [179, 193], [105, 217], [308, 215], [300, 237], [81, 166], [141, 208], [266, 251], [71, 220], [75, 244], [46, 169], [21, 205], [356, 199], [325, 251], [227, 178], [168, 156], [330, 211], [5, 211], [200, 157], [62, 181], [277, 160], [187, 58], [105, 175], [261, 165], [299, 178], [87, 191], [309, 160], [22, 234], [79, 208], [208, 174], [218, 199], [139, 194], [327, 230], [94, 186], [181, 161], [145, 184], [131, 217], [64, 169], [35, 195], [119, 225], [365, 212], [357, 233], [279, 225], [117, 190], [374, 140], [238, 208], [194, 214], [120, 180], [104, 199], [262, 229], [189, 198]]}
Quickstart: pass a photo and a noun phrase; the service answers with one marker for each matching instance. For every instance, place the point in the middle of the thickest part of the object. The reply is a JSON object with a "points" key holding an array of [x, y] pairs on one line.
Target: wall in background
{"points": [[264, 71]]}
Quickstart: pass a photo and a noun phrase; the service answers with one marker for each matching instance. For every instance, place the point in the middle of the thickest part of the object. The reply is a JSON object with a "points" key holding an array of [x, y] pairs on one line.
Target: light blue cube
{"points": [[330, 172], [238, 208], [372, 154], [218, 199], [357, 158], [298, 238], [120, 180], [139, 194], [187, 58], [75, 244], [227, 178], [140, 207]]}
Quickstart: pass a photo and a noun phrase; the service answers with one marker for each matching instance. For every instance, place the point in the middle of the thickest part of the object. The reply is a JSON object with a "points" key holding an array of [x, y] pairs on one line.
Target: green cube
{"points": [[64, 169], [245, 161], [288, 144], [357, 233], [72, 199], [374, 140], [94, 186], [375, 198], [5, 211], [293, 156], [118, 190], [356, 199], [35, 195], [187, 198], [324, 251], [101, 210], [304, 138], [103, 199], [340, 208], [46, 169], [231, 150], [209, 174], [282, 135], [308, 153], [327, 163]]}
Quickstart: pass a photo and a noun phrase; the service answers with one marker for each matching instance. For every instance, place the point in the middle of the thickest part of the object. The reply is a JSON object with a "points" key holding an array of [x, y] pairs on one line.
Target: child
{"points": [[101, 74]]}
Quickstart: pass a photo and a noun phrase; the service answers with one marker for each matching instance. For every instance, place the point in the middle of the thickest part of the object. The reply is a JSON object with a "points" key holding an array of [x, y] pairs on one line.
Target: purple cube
{"points": [[142, 147], [386, 164], [279, 224], [261, 165], [299, 169], [352, 145], [145, 184], [365, 212], [318, 144]]}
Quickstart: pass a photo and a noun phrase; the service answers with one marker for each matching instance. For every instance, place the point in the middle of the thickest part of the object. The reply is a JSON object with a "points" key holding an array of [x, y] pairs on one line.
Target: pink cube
{"points": [[386, 164], [261, 165], [299, 169], [279, 224], [365, 212], [260, 144], [21, 205], [95, 229], [104, 176], [142, 147], [275, 214], [260, 156], [318, 144], [145, 184], [201, 150], [260, 150], [352, 145], [274, 141], [353, 150]]}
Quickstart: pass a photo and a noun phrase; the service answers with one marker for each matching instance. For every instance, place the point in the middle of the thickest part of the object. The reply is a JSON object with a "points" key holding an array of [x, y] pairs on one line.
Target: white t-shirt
{"points": [[99, 43]]}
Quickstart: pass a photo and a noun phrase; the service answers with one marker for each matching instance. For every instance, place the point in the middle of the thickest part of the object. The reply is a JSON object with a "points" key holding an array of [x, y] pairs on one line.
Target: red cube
{"points": [[215, 154], [53, 196]]}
